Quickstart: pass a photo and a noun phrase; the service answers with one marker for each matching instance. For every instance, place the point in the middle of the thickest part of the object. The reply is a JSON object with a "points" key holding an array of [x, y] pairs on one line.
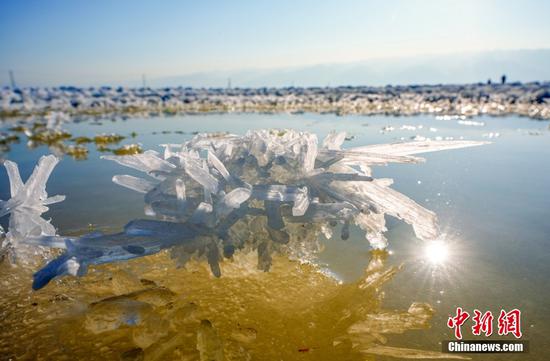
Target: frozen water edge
{"points": [[269, 190]]}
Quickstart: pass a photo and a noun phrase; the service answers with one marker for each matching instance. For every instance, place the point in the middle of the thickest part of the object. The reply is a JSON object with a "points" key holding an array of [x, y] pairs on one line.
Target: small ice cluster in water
{"points": [[27, 203], [269, 190]]}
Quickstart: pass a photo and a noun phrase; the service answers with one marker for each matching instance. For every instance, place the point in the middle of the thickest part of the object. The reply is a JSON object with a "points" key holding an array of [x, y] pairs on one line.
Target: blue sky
{"points": [[114, 41]]}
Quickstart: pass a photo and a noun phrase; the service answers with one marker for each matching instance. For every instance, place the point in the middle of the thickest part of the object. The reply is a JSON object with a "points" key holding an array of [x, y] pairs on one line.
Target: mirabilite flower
{"points": [[28, 202], [268, 191]]}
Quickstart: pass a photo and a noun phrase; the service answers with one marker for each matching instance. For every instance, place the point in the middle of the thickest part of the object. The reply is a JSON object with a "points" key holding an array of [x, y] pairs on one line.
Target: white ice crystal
{"points": [[28, 202], [267, 190], [283, 168]]}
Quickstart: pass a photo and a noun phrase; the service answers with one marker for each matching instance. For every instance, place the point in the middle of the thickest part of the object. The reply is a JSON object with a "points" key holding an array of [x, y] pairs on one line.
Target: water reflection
{"points": [[151, 310]]}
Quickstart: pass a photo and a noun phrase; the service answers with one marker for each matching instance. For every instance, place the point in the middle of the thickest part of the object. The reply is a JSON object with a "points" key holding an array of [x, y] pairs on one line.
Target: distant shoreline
{"points": [[528, 99]]}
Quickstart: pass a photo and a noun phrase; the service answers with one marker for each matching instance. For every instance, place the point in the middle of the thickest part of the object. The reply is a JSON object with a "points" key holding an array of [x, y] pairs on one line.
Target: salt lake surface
{"points": [[493, 203]]}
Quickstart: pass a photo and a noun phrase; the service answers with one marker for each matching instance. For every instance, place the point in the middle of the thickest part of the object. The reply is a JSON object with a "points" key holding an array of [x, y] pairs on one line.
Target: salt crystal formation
{"points": [[28, 202], [269, 190], [527, 99]]}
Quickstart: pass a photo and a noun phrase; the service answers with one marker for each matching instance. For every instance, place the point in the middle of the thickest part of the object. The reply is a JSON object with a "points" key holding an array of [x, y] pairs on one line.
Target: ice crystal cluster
{"points": [[27, 203], [267, 191]]}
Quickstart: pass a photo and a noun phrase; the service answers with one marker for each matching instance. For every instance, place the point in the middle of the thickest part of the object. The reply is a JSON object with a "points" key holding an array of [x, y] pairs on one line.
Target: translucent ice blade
{"points": [[58, 267], [409, 148], [334, 141], [8, 206], [329, 177], [374, 224], [310, 153], [366, 157], [29, 224], [236, 197], [231, 201], [301, 203], [49, 241], [201, 176], [36, 184], [16, 184], [216, 163], [147, 162], [134, 183], [320, 212], [279, 193], [54, 199], [389, 201]]}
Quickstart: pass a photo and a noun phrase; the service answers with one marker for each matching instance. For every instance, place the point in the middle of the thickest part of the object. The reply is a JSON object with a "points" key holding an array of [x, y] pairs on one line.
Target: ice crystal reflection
{"points": [[268, 191], [292, 312]]}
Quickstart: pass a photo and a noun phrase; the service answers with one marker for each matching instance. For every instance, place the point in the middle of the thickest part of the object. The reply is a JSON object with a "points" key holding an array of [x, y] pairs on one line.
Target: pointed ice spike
{"points": [[16, 184], [201, 176], [8, 206], [276, 192], [54, 199], [36, 184], [216, 163], [232, 200], [134, 183], [367, 157], [213, 256], [50, 271], [236, 197], [389, 201], [147, 162], [409, 148], [310, 153], [334, 141]]}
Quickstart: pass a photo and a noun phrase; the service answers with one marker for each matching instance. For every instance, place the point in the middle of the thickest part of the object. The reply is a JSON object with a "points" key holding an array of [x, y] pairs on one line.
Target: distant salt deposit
{"points": [[448, 102]]}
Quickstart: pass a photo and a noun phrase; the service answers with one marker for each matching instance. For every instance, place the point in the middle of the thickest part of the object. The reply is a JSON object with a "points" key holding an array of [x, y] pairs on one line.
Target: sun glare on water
{"points": [[436, 252]]}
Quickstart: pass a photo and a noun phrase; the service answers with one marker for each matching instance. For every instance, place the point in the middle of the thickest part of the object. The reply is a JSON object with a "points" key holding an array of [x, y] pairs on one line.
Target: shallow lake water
{"points": [[493, 203]]}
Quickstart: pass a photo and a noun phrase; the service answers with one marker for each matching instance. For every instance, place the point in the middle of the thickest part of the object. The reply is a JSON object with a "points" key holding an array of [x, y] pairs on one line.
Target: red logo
{"points": [[457, 321], [482, 323], [508, 322]]}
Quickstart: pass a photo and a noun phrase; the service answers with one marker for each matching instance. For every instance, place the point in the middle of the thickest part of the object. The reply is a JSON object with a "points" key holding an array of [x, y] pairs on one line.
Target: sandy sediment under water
{"points": [[149, 309]]}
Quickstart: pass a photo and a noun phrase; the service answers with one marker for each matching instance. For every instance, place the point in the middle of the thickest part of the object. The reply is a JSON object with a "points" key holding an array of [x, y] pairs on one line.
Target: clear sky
{"points": [[113, 41]]}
